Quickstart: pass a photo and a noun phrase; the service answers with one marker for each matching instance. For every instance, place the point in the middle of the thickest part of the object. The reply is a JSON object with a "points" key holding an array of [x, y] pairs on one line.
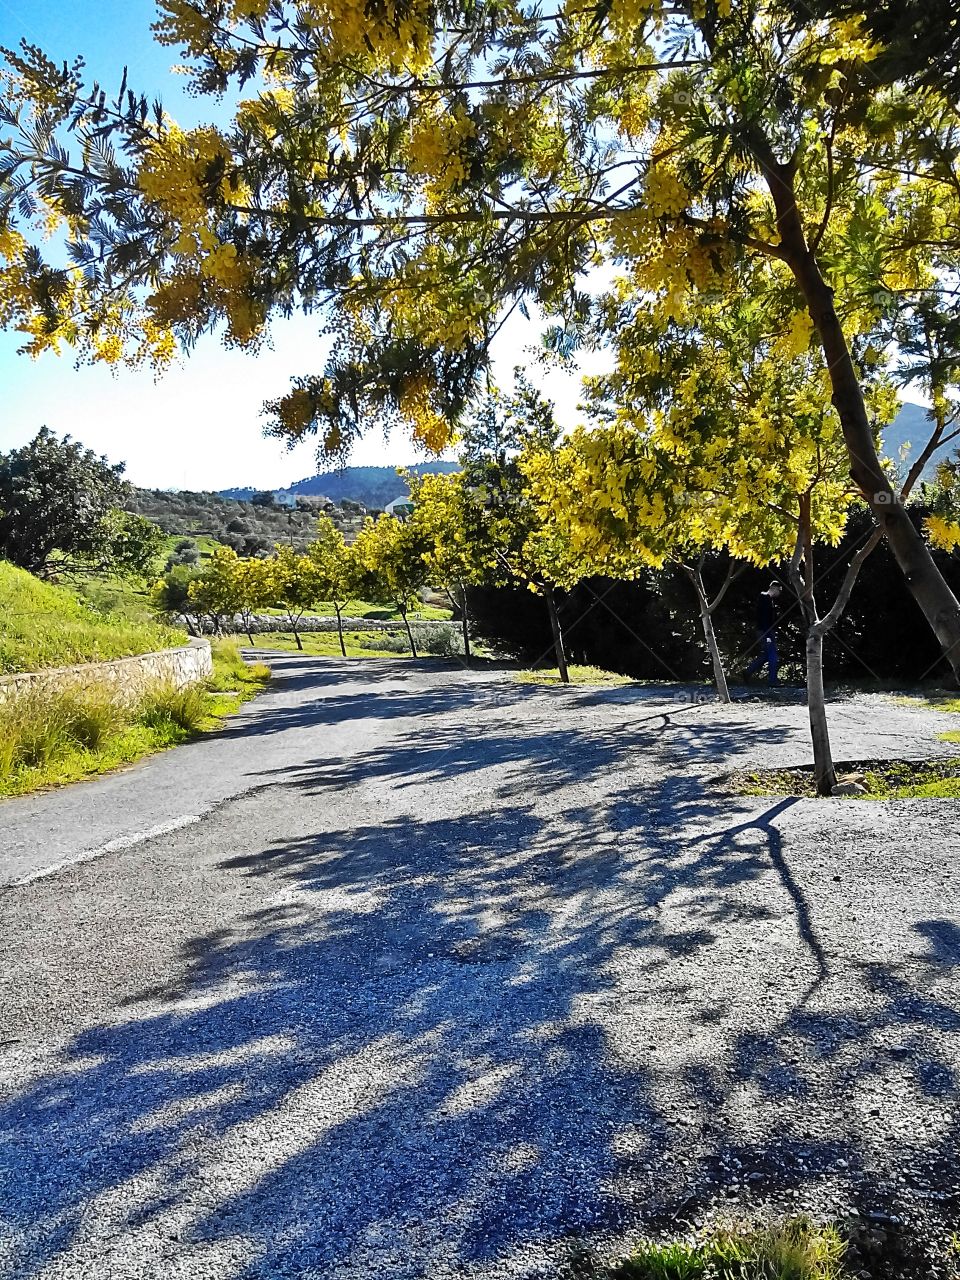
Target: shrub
{"points": [[40, 722], [387, 641], [440, 642], [231, 669]]}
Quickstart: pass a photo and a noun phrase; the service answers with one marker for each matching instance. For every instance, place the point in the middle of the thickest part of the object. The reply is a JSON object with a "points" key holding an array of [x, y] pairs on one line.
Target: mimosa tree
{"points": [[231, 587], [295, 585], [715, 437], [391, 554], [514, 537], [335, 568], [442, 514]]}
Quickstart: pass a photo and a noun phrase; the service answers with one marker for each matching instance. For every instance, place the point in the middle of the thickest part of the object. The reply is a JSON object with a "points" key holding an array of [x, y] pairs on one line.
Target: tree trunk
{"points": [[824, 773], [413, 647], [343, 647], [296, 634], [706, 619], [557, 635], [465, 624], [719, 675], [816, 705], [927, 585]]}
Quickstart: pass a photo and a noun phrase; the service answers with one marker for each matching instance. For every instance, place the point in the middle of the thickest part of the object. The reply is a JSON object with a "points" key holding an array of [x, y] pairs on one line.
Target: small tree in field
{"points": [[254, 585], [336, 569], [295, 586], [391, 554], [441, 515], [171, 594], [230, 587], [511, 535], [215, 591]]}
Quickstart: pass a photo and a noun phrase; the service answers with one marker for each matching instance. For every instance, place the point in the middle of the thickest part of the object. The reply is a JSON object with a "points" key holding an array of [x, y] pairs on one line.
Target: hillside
{"points": [[45, 625], [372, 486], [250, 528], [911, 426]]}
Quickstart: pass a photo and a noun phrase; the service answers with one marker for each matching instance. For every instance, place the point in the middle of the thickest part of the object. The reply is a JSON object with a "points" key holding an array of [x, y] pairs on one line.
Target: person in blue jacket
{"points": [[767, 629]]}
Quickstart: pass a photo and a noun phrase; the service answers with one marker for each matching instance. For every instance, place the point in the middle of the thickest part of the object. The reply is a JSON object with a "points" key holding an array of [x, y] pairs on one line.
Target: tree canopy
{"points": [[60, 509], [417, 170]]}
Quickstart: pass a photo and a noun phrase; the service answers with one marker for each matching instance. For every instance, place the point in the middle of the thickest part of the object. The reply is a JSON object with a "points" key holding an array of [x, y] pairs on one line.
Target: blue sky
{"points": [[200, 425]]}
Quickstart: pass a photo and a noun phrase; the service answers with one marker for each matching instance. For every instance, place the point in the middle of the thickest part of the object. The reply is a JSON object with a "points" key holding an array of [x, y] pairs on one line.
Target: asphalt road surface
{"points": [[424, 973]]}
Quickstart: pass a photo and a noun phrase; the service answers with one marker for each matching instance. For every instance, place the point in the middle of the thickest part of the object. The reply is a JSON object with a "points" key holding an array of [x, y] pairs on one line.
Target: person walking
{"points": [[766, 628]]}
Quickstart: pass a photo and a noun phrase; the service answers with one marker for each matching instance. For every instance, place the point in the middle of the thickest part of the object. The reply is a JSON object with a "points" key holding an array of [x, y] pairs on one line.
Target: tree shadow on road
{"points": [[445, 1040]]}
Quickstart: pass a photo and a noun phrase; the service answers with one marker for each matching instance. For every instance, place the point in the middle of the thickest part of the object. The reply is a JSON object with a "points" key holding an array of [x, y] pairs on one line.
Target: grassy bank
{"points": [[49, 739], [46, 625]]}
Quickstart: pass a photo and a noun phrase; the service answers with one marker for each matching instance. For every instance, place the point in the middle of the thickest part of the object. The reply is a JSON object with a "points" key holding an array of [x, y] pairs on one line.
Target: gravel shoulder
{"points": [[455, 977]]}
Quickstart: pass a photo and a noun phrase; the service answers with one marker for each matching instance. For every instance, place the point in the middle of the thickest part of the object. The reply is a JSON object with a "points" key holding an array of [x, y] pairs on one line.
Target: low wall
{"points": [[314, 622], [127, 678]]}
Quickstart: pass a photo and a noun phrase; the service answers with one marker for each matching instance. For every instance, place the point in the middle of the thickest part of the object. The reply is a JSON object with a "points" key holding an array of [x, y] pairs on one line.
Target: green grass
{"points": [[381, 612], [431, 642], [937, 700], [578, 675], [882, 780], [46, 625], [792, 1250], [48, 739], [325, 644]]}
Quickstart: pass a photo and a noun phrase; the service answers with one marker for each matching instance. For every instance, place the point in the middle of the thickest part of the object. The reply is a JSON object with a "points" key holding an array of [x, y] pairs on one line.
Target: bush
{"points": [[40, 727], [439, 642], [40, 724], [230, 668], [388, 641], [185, 551]]}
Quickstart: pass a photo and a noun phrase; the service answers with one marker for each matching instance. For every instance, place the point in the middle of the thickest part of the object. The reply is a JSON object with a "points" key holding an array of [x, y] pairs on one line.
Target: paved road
{"points": [[448, 976]]}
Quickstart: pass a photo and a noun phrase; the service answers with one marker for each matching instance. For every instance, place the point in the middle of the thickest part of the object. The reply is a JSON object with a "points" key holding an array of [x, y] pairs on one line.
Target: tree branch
{"points": [[829, 620]]}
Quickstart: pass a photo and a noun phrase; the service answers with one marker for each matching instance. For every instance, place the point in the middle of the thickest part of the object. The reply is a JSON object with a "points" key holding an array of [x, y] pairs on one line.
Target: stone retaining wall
{"points": [[127, 678]]}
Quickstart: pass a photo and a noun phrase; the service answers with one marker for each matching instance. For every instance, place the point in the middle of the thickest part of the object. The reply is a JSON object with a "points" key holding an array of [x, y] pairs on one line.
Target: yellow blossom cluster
{"points": [[430, 428], [14, 288], [263, 115], [181, 170], [626, 15], [665, 192], [439, 148], [393, 34], [183, 24], [942, 532]]}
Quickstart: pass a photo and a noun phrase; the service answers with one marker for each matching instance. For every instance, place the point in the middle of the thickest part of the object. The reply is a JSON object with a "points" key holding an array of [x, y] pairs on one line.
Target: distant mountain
{"points": [[376, 486], [911, 427], [373, 486]]}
